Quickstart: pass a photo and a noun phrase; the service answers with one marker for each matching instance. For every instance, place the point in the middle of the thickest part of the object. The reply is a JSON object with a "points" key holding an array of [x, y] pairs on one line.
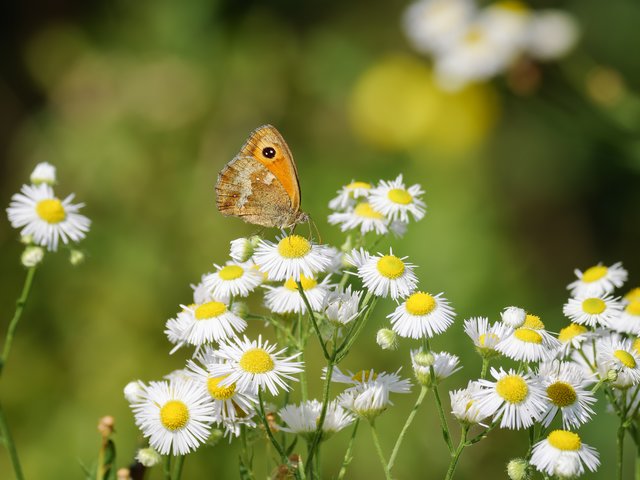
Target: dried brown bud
{"points": [[106, 425]]}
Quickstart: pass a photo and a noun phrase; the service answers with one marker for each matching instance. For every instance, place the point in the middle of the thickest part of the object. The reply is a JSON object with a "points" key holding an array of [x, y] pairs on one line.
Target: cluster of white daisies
{"points": [[469, 44], [44, 219]]}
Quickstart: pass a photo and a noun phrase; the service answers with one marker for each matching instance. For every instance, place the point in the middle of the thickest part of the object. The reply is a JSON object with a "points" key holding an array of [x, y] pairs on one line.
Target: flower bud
{"points": [[32, 256], [612, 375], [76, 257], [518, 469], [514, 316], [424, 359], [241, 309], [134, 391], [242, 248], [148, 457], [106, 425], [26, 239], [387, 339], [44, 173], [123, 474], [215, 436]]}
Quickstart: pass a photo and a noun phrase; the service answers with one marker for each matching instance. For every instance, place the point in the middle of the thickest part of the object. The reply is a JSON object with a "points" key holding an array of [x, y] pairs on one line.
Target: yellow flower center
{"points": [[528, 335], [533, 322], [364, 376], [568, 333], [354, 185], [484, 337], [364, 209], [512, 388], [593, 306], [420, 303], [220, 393], [633, 295], [400, 195], [513, 6], [294, 246], [633, 308], [594, 273], [625, 358], [468, 405], [474, 35], [561, 394], [256, 360], [636, 345], [390, 267], [51, 210], [174, 415], [307, 283], [563, 440], [231, 272], [210, 310]]}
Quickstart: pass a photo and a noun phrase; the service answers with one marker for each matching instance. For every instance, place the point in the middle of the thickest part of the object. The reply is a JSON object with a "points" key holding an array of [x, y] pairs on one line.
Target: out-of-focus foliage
{"points": [[140, 104]]}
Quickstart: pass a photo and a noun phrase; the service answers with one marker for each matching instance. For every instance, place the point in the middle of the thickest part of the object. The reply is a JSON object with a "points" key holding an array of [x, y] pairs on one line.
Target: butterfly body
{"points": [[260, 185]]}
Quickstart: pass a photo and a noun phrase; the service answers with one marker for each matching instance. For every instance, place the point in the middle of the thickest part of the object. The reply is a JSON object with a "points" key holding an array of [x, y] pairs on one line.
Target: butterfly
{"points": [[260, 185]]}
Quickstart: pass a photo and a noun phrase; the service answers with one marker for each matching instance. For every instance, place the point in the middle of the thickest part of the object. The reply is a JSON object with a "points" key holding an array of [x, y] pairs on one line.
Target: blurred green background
{"points": [[140, 104]]}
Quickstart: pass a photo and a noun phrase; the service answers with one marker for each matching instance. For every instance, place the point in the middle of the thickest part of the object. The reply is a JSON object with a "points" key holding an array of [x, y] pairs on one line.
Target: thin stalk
{"points": [[20, 303], [441, 415], [485, 367], [620, 451], [347, 455], [325, 352], [455, 456], [323, 413], [177, 469], [414, 410], [637, 459], [376, 442], [303, 372], [11, 447], [484, 434], [167, 467], [263, 417]]}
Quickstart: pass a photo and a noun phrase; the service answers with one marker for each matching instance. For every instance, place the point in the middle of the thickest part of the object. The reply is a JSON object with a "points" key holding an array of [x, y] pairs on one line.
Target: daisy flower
{"points": [[529, 343], [348, 195], [201, 293], [228, 401], [513, 316], [233, 280], [43, 173], [598, 280], [629, 319], [209, 322], [632, 295], [392, 381], [254, 365], [564, 455], [363, 216], [571, 337], [175, 416], [444, 365], [485, 337], [287, 298], [303, 418], [177, 329], [341, 306], [233, 428], [395, 201], [592, 310], [551, 34], [366, 400], [464, 406], [422, 315], [292, 256], [619, 355], [564, 386], [45, 218], [386, 275], [516, 399]]}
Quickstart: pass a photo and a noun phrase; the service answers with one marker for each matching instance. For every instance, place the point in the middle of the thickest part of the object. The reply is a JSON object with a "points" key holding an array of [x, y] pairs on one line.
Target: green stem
{"points": [[325, 352], [353, 334], [21, 302], [455, 456], [167, 467], [323, 413], [263, 417], [484, 434], [303, 372], [376, 442], [620, 451], [485, 367], [414, 410], [637, 460], [177, 469], [11, 447], [443, 419], [347, 455]]}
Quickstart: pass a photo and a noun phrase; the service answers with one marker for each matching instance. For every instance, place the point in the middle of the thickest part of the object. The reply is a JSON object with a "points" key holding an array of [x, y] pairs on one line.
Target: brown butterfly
{"points": [[260, 185]]}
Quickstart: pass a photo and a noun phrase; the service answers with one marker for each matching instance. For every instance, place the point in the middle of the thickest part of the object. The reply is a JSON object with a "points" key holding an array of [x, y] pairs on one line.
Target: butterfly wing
{"points": [[281, 164], [247, 189]]}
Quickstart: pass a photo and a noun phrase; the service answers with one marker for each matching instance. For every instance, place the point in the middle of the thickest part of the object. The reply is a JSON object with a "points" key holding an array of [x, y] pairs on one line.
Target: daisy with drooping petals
{"points": [[514, 317], [444, 365], [485, 337], [348, 195], [564, 386], [564, 455], [175, 416], [287, 298], [620, 356], [45, 218], [386, 275], [629, 319], [233, 280], [303, 418], [422, 315], [43, 173], [363, 216], [395, 201], [464, 406], [369, 395], [516, 399], [292, 256], [342, 306], [529, 343], [598, 280], [592, 310], [392, 381], [254, 365]]}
